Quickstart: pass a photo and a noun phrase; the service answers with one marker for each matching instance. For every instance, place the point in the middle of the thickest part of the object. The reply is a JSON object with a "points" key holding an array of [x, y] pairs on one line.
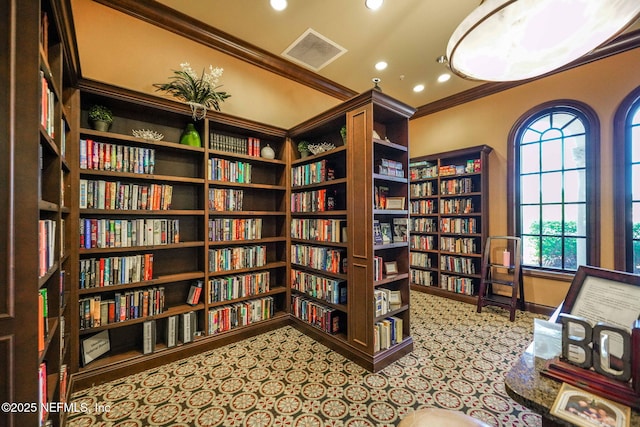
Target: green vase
{"points": [[190, 136]]}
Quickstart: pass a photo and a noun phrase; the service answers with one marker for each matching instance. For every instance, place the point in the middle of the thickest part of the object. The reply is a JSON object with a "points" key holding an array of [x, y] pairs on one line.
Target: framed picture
{"points": [[590, 286], [391, 268], [396, 203], [585, 409]]}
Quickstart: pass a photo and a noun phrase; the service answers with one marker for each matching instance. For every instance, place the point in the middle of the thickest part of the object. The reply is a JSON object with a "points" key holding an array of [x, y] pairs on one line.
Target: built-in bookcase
{"points": [[341, 291], [157, 219], [449, 221]]}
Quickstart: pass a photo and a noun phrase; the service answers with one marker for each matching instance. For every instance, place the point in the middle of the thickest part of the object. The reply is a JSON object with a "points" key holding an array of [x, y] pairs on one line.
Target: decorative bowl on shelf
{"points": [[147, 134], [320, 148]]}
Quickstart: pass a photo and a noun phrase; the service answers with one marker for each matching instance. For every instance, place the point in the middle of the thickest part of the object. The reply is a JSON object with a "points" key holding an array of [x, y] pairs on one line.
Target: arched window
{"points": [[626, 148], [554, 187]]}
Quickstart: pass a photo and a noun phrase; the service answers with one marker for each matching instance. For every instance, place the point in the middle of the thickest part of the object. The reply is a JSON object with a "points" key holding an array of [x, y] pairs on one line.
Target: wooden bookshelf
{"points": [[226, 201], [449, 222], [355, 176]]}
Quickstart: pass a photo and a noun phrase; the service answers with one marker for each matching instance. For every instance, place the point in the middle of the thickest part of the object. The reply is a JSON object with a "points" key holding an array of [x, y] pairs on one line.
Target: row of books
{"points": [[227, 317], [312, 173], [456, 206], [422, 169], [318, 315], [456, 186], [320, 258], [47, 103], [229, 170], [463, 245], [421, 277], [46, 245], [456, 264], [420, 259], [94, 311], [105, 156], [115, 270], [232, 287], [422, 207], [422, 189], [323, 288], [423, 225], [314, 201], [458, 225], [422, 242], [43, 396], [100, 194], [127, 233], [234, 144], [470, 166], [225, 229], [225, 199], [390, 168], [461, 285], [238, 257], [322, 230], [386, 300], [180, 328], [387, 332]]}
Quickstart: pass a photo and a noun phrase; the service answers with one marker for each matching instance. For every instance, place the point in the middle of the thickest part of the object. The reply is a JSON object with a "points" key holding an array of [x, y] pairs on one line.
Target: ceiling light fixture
{"points": [[278, 4], [444, 77], [508, 40], [373, 4], [381, 65], [418, 88]]}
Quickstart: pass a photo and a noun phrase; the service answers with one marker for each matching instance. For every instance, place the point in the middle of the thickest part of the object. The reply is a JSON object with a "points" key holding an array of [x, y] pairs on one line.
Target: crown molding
{"points": [[171, 20]]}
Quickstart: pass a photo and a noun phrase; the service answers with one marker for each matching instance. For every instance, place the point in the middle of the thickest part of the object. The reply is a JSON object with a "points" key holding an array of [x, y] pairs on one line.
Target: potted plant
{"points": [[343, 134], [197, 91], [100, 117], [303, 148]]}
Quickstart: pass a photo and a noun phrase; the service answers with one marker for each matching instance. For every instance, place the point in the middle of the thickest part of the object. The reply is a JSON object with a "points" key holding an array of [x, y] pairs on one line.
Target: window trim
{"points": [[592, 166], [622, 215]]}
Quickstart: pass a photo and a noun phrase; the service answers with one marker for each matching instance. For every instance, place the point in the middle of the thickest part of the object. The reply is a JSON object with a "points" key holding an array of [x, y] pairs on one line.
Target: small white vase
{"points": [[267, 152]]}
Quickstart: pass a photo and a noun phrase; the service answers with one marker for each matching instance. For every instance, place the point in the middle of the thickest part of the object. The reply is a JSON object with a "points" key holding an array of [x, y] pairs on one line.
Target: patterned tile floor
{"points": [[285, 379]]}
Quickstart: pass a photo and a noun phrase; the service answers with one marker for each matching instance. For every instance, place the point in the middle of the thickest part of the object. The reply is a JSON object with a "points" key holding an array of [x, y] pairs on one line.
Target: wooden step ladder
{"points": [[501, 267]]}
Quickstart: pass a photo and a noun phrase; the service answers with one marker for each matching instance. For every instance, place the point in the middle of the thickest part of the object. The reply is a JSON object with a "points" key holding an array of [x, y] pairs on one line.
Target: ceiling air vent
{"points": [[313, 50]]}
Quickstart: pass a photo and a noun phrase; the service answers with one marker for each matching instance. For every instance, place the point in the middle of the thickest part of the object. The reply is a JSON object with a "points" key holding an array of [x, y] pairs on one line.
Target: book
{"points": [[400, 226], [149, 336], [171, 331], [194, 292], [377, 232], [187, 327], [387, 233]]}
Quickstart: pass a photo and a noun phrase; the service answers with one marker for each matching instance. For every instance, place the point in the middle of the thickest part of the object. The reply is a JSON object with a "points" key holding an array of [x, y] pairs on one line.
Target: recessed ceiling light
{"points": [[279, 4], [418, 88], [381, 65], [373, 4], [444, 77]]}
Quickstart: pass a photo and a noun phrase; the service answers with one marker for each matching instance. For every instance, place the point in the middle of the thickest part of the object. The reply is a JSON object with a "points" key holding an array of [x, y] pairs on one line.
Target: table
{"points": [[527, 386]]}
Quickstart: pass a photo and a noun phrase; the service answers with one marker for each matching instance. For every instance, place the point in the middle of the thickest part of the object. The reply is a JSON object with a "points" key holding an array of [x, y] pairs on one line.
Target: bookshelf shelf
{"points": [[442, 237]]}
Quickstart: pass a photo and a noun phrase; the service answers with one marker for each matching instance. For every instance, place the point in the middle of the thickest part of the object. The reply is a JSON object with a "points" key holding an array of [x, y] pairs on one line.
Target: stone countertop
{"points": [[527, 386]]}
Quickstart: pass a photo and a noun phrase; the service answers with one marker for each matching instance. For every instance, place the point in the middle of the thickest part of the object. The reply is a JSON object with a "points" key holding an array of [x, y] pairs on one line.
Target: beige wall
{"points": [[126, 52], [602, 85]]}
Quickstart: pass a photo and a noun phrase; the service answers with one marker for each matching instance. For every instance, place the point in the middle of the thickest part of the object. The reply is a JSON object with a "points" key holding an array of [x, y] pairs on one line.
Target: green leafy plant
{"points": [[100, 113], [303, 146], [343, 133], [186, 85]]}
